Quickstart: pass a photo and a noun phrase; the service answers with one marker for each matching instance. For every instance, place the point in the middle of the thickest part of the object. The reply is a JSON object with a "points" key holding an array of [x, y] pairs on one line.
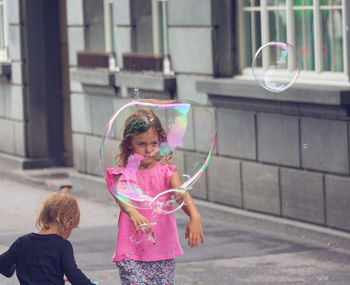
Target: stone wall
{"points": [[280, 156]]}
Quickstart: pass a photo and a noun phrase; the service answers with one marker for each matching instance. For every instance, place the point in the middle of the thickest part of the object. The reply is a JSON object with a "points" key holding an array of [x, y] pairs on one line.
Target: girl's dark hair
{"points": [[139, 121]]}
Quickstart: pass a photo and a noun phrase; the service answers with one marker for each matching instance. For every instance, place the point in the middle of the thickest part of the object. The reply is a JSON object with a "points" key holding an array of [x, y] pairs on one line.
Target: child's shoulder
{"points": [[23, 238], [29, 238]]}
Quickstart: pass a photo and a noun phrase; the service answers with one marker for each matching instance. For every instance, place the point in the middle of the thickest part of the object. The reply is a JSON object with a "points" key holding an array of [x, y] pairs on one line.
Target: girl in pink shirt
{"points": [[148, 262]]}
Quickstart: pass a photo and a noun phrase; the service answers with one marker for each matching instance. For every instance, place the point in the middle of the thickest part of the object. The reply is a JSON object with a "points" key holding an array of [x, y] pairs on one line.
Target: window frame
{"points": [[160, 27], [307, 76]]}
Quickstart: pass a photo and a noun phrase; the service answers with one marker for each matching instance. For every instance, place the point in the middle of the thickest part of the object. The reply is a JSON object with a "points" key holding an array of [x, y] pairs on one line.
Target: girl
{"points": [[46, 256], [149, 263]]}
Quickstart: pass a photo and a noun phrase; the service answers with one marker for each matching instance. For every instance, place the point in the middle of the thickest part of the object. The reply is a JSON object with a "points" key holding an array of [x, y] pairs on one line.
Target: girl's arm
{"points": [[194, 230], [135, 217]]}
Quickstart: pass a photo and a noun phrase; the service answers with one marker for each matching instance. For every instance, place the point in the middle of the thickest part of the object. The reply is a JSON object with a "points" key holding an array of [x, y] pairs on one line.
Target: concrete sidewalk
{"points": [[240, 247]]}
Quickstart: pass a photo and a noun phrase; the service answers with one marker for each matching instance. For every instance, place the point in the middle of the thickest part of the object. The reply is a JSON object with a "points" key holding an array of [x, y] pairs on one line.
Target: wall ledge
{"points": [[93, 76], [155, 81], [298, 93]]}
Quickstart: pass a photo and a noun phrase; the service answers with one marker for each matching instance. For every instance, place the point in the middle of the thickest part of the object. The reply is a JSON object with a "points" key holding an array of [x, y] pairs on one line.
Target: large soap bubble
{"points": [[276, 66], [187, 142]]}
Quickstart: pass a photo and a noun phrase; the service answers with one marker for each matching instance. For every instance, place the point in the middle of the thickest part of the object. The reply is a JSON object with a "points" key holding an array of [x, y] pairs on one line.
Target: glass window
{"points": [[99, 29], [332, 31], [252, 26], [150, 35], [304, 29], [151, 26], [314, 27], [94, 25]]}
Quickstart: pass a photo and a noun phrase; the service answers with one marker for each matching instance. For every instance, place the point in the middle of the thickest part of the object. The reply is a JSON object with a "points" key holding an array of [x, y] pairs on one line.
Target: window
{"points": [[315, 27], [149, 37], [3, 32], [99, 35], [150, 32], [151, 26], [94, 23]]}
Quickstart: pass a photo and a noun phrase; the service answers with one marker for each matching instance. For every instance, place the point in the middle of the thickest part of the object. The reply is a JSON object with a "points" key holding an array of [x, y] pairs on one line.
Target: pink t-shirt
{"points": [[167, 246]]}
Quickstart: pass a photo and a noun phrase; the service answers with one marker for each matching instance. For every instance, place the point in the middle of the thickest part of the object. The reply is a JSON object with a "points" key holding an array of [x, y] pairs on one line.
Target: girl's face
{"points": [[147, 145]]}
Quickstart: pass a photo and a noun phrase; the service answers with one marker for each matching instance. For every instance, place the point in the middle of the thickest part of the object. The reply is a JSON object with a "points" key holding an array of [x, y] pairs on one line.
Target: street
{"points": [[239, 248]]}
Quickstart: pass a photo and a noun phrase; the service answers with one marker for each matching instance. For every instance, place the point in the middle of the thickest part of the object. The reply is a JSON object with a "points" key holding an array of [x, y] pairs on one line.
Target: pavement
{"points": [[240, 247]]}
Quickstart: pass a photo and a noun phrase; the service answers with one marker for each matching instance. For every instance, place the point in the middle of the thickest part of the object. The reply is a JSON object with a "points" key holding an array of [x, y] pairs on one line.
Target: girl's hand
{"points": [[139, 221], [194, 232]]}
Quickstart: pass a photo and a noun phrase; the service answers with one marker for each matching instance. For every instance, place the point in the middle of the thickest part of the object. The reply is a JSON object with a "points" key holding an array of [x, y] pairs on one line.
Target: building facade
{"points": [[67, 66]]}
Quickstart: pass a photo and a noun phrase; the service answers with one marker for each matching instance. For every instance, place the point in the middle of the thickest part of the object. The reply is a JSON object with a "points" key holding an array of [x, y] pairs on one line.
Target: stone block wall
{"points": [[286, 159], [290, 166]]}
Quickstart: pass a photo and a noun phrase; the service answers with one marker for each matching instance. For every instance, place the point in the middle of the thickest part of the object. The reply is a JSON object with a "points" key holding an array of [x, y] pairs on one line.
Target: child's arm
{"points": [[70, 268], [135, 217], [194, 230], [8, 260]]}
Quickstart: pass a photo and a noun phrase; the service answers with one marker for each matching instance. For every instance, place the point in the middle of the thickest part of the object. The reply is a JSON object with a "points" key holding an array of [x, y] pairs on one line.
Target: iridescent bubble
{"points": [[276, 66], [188, 141]]}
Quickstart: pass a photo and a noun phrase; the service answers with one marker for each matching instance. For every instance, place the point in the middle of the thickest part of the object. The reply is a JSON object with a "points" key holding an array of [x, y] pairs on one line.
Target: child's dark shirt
{"points": [[42, 259]]}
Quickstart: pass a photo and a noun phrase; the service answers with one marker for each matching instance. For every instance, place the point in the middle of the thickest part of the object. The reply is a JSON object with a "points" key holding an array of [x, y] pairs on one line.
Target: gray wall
{"points": [[288, 158]]}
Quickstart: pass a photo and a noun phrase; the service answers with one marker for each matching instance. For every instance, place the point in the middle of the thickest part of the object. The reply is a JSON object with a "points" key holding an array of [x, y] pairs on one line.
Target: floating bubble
{"points": [[185, 138], [276, 66]]}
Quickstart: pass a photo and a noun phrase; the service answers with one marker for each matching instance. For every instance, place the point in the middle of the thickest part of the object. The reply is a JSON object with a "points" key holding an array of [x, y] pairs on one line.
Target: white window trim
{"points": [[109, 34], [156, 35], [155, 25]]}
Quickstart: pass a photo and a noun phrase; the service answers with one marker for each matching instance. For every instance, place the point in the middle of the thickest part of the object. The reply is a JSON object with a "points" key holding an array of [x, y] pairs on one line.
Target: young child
{"points": [[147, 263], [46, 256]]}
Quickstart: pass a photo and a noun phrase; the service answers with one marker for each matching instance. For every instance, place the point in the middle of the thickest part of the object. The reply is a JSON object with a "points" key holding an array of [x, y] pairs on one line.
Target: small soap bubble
{"points": [[276, 66]]}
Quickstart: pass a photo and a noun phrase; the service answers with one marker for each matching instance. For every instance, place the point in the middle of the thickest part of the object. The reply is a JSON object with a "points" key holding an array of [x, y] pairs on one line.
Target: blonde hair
{"points": [[59, 208], [139, 121]]}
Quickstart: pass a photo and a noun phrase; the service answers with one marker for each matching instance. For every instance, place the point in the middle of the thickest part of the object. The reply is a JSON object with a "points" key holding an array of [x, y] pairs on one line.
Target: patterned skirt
{"points": [[134, 272]]}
